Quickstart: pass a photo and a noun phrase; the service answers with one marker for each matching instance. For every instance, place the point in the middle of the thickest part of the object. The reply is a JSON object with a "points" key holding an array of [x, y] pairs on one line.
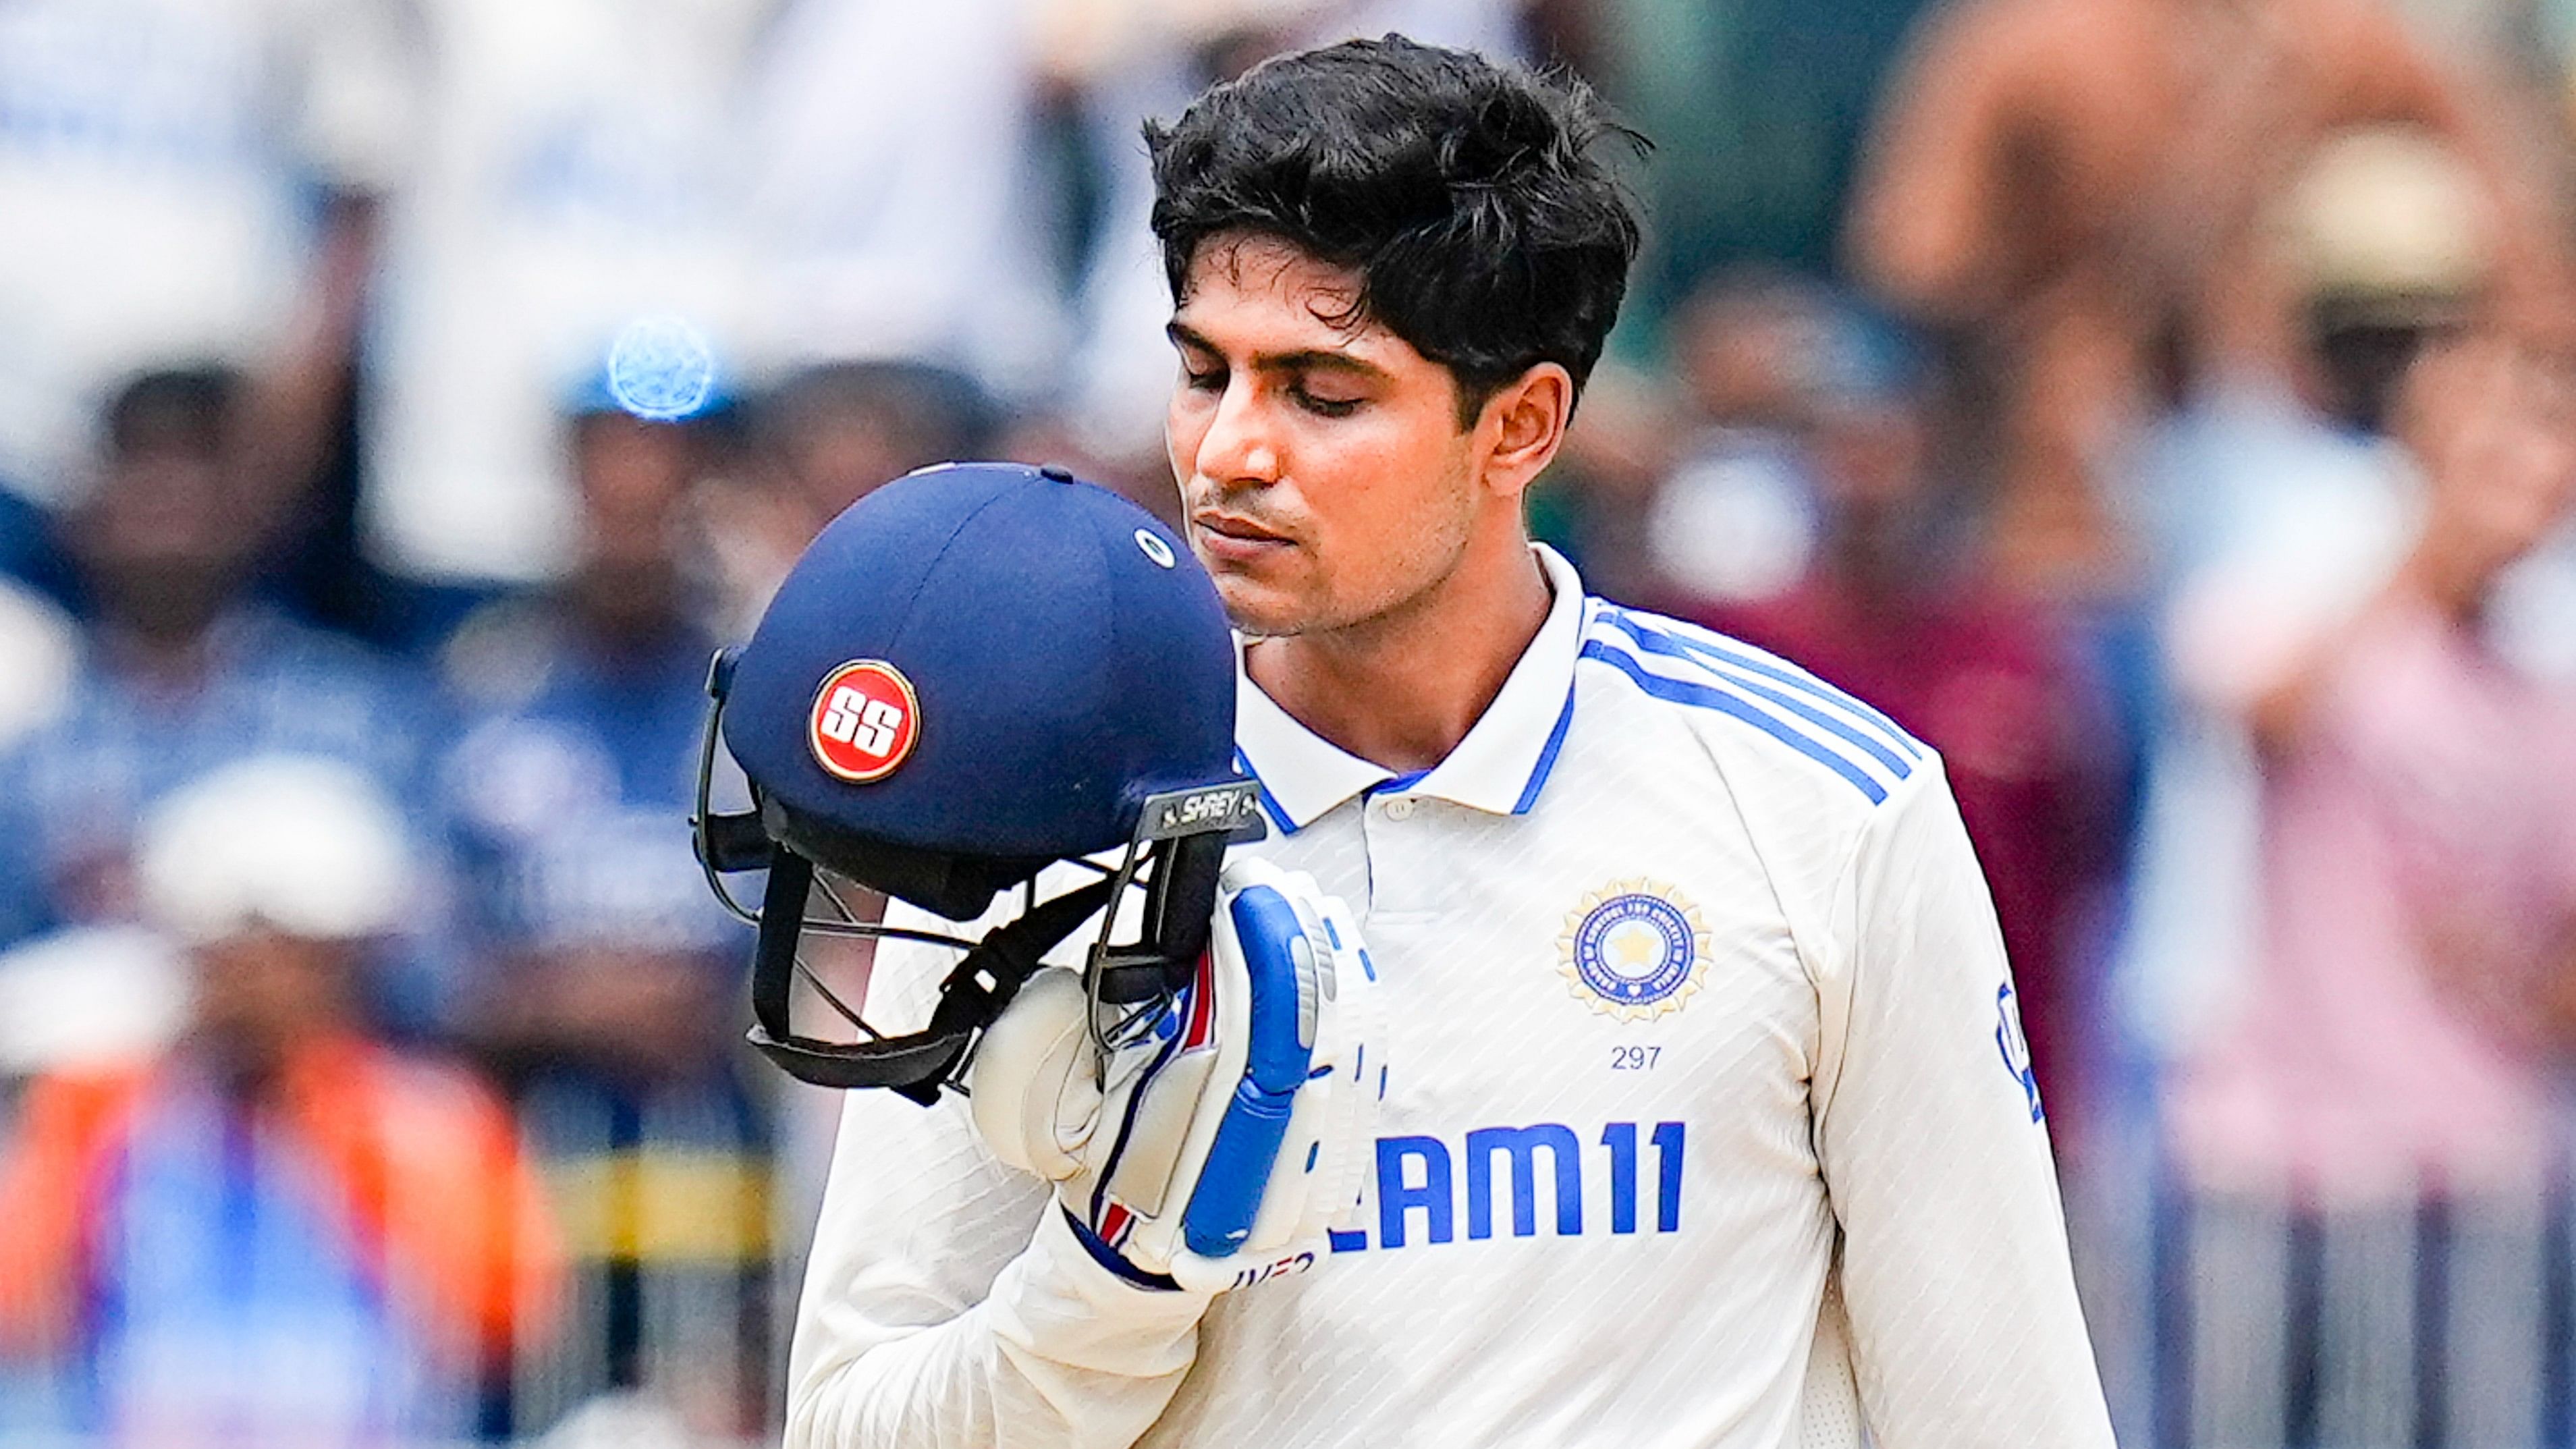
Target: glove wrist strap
{"points": [[1107, 1257]]}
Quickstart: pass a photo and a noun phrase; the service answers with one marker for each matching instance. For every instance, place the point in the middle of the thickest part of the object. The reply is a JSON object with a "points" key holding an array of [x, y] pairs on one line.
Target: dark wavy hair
{"points": [[1470, 198]]}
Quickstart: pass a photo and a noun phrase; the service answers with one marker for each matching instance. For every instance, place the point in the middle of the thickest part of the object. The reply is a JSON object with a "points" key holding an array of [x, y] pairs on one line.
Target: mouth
{"points": [[1229, 539]]}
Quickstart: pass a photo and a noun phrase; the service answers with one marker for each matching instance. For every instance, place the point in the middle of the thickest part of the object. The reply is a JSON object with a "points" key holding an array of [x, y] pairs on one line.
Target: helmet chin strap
{"points": [[915, 1064]]}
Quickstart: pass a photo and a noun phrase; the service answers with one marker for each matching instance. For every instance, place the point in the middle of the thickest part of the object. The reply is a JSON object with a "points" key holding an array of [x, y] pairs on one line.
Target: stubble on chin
{"points": [[1258, 618]]}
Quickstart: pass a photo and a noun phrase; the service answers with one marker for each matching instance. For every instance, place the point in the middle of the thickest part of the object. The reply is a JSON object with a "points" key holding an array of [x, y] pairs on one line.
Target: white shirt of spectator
{"points": [[2275, 528], [579, 169], [1707, 1120], [153, 160]]}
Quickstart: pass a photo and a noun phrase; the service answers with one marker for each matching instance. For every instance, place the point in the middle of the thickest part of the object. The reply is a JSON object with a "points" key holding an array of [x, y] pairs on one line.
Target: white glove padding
{"points": [[1229, 1127]]}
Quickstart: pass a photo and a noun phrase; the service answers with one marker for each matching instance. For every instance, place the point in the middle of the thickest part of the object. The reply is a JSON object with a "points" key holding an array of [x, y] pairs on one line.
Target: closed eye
{"points": [[1326, 407]]}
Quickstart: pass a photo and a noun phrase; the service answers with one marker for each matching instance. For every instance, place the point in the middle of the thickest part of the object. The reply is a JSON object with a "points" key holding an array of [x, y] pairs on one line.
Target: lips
{"points": [[1228, 539]]}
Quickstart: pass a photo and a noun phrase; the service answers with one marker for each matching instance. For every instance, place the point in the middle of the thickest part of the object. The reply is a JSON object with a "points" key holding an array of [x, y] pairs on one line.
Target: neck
{"points": [[1400, 690]]}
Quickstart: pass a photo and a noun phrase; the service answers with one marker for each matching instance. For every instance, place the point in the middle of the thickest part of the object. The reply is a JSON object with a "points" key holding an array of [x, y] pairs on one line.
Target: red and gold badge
{"points": [[864, 722]]}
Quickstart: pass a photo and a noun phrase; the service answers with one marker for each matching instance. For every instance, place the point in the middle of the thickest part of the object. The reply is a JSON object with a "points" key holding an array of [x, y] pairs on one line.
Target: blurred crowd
{"points": [[2166, 408]]}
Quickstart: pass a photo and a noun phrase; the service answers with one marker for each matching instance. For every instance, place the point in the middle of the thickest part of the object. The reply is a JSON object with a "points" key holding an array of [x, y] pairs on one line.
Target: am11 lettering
{"points": [[1621, 1139], [1420, 1194]]}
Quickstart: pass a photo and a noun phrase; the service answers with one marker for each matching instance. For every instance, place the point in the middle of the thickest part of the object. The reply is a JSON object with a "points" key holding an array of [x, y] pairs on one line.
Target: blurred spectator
{"points": [[2302, 488], [180, 671], [279, 1231], [2275, 510], [1738, 518], [2079, 186], [2420, 844], [820, 441], [896, 210], [576, 766], [1901, 606], [1757, 109], [2369, 1123], [186, 178], [610, 979], [578, 171]]}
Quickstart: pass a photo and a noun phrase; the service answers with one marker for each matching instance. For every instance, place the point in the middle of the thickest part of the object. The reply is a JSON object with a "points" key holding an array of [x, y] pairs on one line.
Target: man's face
{"points": [[1322, 469], [632, 475], [165, 534], [840, 451]]}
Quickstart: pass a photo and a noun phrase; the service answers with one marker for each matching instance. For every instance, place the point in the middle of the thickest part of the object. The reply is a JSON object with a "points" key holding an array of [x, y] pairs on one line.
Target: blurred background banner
{"points": [[2166, 408]]}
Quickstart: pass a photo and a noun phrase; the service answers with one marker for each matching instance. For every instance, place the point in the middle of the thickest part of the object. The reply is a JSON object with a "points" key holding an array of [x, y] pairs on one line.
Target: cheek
{"points": [[1397, 510], [1185, 425]]}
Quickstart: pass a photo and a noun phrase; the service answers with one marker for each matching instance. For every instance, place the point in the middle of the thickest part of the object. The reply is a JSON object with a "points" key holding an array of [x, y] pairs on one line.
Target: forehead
{"points": [[1255, 290]]}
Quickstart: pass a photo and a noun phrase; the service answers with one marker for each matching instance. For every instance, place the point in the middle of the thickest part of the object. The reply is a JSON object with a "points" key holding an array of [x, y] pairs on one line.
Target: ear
{"points": [[1522, 425]]}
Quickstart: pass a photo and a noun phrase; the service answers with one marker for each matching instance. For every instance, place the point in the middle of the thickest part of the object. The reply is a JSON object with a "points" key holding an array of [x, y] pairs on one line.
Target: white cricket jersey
{"points": [[1708, 1121]]}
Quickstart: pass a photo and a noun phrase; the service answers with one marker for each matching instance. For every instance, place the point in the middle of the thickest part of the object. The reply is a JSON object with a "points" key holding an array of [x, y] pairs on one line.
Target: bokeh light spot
{"points": [[661, 368]]}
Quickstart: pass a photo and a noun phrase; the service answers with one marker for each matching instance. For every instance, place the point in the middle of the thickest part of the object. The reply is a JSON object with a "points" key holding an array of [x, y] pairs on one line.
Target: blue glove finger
{"points": [[1280, 962]]}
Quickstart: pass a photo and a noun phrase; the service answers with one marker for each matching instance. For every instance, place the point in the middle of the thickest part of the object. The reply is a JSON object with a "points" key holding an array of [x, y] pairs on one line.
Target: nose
{"points": [[1239, 447]]}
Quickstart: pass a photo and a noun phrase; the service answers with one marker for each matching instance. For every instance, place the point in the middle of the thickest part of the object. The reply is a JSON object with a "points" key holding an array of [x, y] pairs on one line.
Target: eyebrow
{"points": [[1302, 360]]}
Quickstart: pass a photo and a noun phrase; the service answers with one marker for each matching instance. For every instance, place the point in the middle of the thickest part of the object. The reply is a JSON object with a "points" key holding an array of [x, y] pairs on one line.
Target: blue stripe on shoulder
{"points": [[1278, 816], [1799, 680], [1679, 691], [1673, 646]]}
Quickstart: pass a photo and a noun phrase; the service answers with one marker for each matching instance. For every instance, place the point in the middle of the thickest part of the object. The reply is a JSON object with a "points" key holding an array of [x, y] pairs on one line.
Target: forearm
{"points": [[297, 394], [2439, 586], [1061, 1352], [920, 1327], [2280, 713]]}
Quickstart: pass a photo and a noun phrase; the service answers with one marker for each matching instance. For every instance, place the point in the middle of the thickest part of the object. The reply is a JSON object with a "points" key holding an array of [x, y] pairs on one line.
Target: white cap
{"points": [[87, 997], [2389, 215], [304, 846]]}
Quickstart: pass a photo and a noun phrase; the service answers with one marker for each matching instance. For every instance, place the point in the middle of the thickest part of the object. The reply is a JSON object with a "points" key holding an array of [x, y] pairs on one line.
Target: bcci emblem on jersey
{"points": [[1634, 950]]}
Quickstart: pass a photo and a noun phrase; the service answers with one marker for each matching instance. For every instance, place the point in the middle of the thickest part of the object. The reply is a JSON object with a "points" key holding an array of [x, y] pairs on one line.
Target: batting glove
{"points": [[1210, 1140]]}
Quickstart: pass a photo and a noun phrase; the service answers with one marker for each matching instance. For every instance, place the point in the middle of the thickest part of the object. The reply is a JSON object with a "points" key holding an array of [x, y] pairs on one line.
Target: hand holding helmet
{"points": [[1210, 1138], [980, 671]]}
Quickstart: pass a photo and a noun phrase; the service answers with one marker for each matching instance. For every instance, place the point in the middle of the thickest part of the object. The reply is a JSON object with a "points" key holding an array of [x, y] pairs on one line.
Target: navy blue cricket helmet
{"points": [[974, 672]]}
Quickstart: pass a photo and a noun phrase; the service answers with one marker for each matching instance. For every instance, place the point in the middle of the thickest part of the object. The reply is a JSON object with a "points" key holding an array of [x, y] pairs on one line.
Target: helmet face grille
{"points": [[836, 962]]}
